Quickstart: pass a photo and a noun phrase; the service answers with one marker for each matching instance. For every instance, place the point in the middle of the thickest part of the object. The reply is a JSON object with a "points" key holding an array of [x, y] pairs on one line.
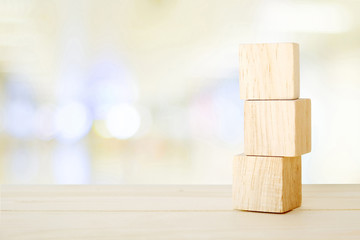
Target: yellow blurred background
{"points": [[128, 92]]}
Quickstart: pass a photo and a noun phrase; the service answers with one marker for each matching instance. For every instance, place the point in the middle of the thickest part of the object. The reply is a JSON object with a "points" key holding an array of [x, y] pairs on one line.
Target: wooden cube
{"points": [[269, 71], [266, 184], [277, 127]]}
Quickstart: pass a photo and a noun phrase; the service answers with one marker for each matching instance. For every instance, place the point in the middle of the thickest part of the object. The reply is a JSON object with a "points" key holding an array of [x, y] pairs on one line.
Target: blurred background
{"points": [[146, 91]]}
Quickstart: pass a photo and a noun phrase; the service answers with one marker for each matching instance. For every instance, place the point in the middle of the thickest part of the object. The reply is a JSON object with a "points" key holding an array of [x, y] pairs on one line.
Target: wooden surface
{"points": [[171, 212], [266, 184], [269, 71], [277, 127]]}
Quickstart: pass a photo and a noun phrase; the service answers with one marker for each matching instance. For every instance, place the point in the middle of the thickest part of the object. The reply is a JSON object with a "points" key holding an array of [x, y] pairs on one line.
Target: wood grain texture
{"points": [[115, 212], [230, 225], [269, 71], [277, 127], [266, 184], [157, 197]]}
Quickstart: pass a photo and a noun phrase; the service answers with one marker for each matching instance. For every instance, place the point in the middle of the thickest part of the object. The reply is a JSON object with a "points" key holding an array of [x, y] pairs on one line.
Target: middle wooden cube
{"points": [[277, 127]]}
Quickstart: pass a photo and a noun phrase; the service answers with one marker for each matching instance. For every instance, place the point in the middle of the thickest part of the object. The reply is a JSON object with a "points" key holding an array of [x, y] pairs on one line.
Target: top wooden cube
{"points": [[269, 71]]}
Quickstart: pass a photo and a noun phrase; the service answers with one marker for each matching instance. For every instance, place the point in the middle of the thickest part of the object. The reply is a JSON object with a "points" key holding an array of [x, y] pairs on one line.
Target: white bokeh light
{"points": [[72, 121], [44, 123], [123, 121]]}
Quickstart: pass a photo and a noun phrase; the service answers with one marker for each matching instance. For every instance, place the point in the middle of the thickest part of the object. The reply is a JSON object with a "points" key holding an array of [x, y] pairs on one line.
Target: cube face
{"points": [[277, 128], [269, 71], [266, 184]]}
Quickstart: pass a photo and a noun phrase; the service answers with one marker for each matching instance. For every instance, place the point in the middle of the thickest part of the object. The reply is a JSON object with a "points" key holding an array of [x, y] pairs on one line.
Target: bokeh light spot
{"points": [[72, 121], [19, 119], [123, 121]]}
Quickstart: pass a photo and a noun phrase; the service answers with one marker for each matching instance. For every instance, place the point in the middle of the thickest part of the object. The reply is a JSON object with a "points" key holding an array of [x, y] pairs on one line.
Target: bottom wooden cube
{"points": [[266, 184]]}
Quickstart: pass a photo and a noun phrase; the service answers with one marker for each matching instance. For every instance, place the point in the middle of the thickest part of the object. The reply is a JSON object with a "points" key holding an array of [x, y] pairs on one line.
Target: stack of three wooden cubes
{"points": [[267, 177]]}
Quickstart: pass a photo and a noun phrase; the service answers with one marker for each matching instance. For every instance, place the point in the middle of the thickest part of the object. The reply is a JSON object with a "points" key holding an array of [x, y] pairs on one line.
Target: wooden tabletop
{"points": [[170, 212]]}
